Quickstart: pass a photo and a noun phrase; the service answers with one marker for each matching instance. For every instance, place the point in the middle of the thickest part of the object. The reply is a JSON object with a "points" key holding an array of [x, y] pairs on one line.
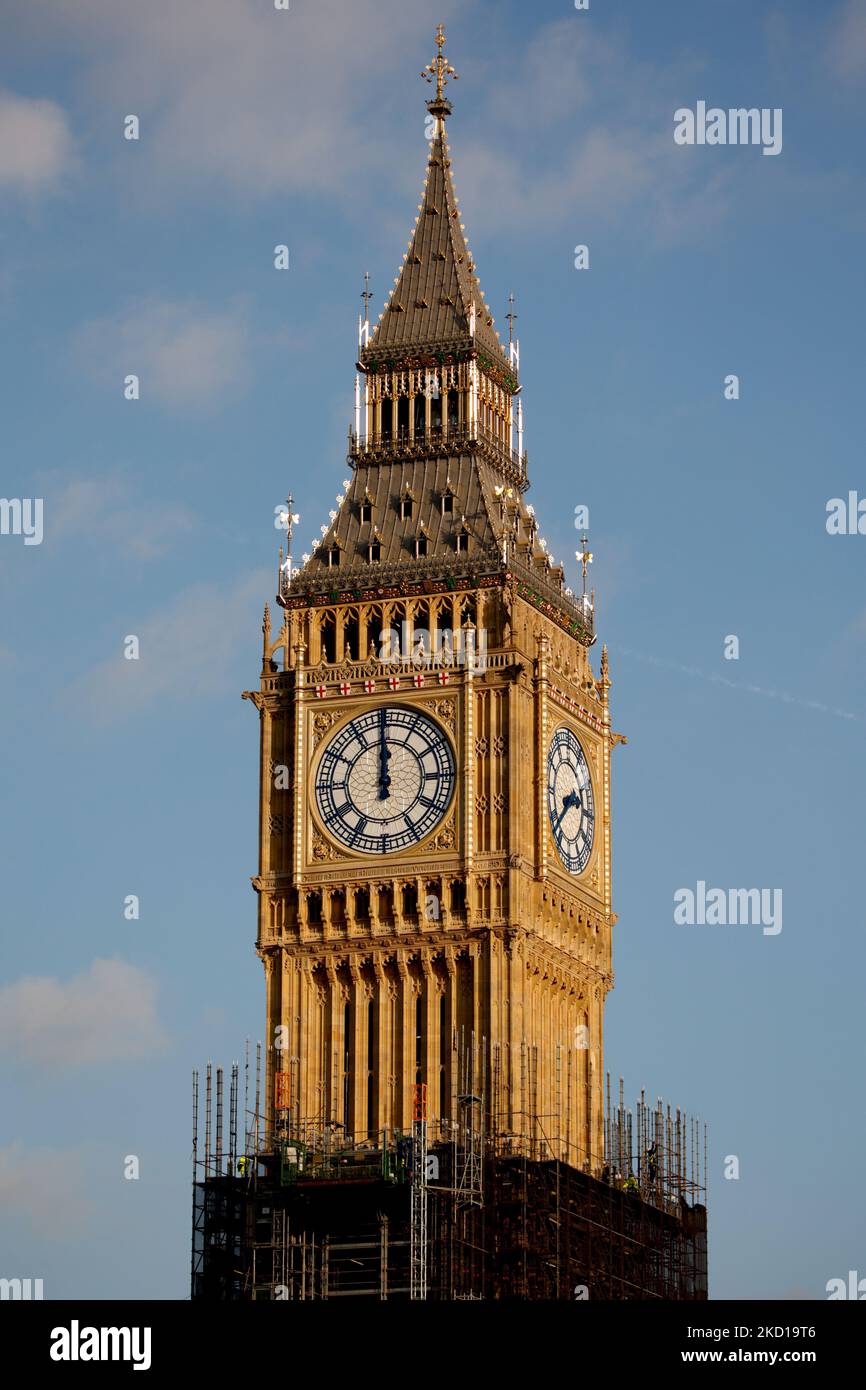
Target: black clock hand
{"points": [[570, 799], [384, 755]]}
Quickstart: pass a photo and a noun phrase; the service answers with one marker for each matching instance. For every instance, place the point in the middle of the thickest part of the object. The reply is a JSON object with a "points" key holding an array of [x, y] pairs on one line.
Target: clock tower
{"points": [[434, 884]]}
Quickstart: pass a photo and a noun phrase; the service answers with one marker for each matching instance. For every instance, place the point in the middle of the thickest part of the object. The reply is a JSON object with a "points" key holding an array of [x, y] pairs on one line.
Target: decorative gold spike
{"points": [[440, 69]]}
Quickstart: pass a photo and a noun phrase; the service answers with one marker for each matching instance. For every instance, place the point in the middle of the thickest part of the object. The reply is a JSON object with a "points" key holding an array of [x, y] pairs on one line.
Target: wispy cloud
{"points": [[252, 101], [784, 696], [183, 353], [106, 510], [237, 92], [106, 1014], [186, 648], [36, 145]]}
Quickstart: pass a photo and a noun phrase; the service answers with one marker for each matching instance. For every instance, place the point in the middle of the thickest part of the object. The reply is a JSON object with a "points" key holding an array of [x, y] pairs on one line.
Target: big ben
{"points": [[436, 861], [434, 891]]}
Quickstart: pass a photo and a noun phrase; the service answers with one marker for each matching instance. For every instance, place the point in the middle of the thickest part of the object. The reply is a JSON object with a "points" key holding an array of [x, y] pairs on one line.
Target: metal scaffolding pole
{"points": [[418, 1220]]}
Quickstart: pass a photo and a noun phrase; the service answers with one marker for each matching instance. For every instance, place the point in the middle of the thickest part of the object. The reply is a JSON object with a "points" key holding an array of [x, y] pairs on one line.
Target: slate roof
{"points": [[477, 511], [437, 283]]}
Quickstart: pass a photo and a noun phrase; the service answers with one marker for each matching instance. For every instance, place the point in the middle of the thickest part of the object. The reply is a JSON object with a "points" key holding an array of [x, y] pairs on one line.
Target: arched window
{"points": [[328, 637]]}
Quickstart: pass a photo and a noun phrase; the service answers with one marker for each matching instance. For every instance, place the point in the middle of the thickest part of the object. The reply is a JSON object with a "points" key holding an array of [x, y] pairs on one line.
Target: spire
{"points": [[437, 489], [437, 301]]}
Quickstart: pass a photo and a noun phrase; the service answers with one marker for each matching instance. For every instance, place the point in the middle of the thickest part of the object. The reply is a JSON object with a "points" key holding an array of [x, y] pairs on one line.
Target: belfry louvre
{"points": [[428, 1117]]}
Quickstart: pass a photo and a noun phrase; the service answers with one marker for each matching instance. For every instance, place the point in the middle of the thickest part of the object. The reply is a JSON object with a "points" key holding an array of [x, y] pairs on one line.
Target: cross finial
{"points": [[585, 558], [440, 69], [366, 294], [511, 316], [290, 520]]}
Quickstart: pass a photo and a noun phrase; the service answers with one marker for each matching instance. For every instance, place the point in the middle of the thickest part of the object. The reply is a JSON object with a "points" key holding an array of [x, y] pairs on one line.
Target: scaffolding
{"points": [[310, 1212], [418, 1257]]}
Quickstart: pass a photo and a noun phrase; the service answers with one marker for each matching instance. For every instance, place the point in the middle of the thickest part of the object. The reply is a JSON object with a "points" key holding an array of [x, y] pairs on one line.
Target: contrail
{"points": [[741, 685]]}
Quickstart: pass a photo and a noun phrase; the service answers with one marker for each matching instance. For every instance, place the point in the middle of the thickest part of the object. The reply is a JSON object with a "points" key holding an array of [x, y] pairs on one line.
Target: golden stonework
{"points": [[323, 850]]}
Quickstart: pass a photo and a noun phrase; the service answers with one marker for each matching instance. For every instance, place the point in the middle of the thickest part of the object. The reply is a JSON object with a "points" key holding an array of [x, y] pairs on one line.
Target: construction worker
{"points": [[631, 1184], [651, 1160], [243, 1161]]}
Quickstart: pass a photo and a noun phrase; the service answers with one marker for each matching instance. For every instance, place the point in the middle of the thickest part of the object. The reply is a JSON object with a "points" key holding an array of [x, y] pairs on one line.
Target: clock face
{"points": [[570, 802], [385, 780]]}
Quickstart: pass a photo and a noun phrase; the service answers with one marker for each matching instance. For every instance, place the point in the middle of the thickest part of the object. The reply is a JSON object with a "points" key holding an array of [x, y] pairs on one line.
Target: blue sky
{"points": [[707, 519]]}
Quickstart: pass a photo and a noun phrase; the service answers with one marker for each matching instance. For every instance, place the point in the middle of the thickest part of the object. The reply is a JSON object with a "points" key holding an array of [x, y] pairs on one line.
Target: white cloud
{"points": [[105, 509], [46, 1187], [645, 181], [36, 146], [106, 1014], [318, 101], [589, 137], [234, 90], [183, 353], [323, 101], [186, 649]]}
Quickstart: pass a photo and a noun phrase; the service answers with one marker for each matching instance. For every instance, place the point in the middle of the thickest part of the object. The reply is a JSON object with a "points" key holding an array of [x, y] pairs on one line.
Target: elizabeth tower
{"points": [[434, 883]]}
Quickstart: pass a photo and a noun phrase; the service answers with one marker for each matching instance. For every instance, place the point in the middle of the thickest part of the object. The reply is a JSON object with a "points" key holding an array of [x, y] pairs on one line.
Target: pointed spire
{"points": [[604, 678], [436, 299], [266, 637]]}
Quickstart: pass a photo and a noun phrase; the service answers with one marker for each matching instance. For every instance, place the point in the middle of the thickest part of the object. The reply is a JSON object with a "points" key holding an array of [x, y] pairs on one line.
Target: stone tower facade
{"points": [[434, 883]]}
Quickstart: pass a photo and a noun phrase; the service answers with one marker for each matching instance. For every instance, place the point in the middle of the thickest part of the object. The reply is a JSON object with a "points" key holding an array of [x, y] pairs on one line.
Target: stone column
{"points": [[308, 1040], [383, 1068], [267, 786], [359, 1055], [335, 1049], [405, 1062], [448, 1108], [430, 1037]]}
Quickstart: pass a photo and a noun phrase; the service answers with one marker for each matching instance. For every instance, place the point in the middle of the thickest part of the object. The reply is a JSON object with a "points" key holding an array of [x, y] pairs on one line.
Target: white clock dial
{"points": [[570, 802], [385, 780]]}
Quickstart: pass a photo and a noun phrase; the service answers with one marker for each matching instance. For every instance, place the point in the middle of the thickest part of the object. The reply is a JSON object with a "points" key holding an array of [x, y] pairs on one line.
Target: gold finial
{"points": [[511, 316], [441, 70], [584, 556]]}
